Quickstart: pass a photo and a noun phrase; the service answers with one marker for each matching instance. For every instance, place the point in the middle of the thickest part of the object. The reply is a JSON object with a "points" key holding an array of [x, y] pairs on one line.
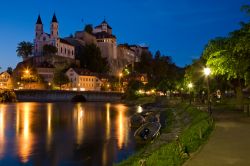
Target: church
{"points": [[118, 56], [64, 48]]}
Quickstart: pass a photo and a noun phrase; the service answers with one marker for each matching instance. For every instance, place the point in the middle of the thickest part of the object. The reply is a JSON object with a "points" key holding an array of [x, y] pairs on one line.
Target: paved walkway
{"points": [[229, 144]]}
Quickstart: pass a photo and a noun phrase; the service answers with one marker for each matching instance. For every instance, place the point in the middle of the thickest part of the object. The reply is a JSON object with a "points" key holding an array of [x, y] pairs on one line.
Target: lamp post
{"points": [[190, 85], [49, 85], [27, 73], [207, 72], [120, 75]]}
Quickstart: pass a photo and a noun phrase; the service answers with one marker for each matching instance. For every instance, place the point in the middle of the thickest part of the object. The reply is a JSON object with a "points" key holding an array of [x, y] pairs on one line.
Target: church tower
{"points": [[54, 27], [104, 26], [39, 27]]}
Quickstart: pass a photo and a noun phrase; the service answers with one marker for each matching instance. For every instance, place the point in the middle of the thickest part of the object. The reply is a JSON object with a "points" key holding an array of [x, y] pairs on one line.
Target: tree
{"points": [[246, 8], [92, 60], [49, 50], [145, 64], [229, 57], [24, 49], [60, 79], [88, 28], [132, 88], [10, 70], [164, 86]]}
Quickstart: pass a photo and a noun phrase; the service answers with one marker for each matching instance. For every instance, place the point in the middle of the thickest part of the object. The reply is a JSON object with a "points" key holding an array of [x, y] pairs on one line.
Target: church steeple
{"points": [[39, 20], [54, 27], [54, 19], [39, 27]]}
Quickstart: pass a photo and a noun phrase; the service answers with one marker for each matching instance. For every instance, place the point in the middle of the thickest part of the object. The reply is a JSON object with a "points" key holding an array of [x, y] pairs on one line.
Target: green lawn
{"points": [[177, 151]]}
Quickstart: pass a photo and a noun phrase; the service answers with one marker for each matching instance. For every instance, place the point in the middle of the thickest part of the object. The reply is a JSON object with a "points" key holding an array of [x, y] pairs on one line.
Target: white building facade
{"points": [[64, 48], [83, 80]]}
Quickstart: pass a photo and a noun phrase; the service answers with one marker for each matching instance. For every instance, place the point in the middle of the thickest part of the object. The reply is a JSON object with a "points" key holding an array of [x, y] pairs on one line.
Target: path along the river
{"points": [[229, 144]]}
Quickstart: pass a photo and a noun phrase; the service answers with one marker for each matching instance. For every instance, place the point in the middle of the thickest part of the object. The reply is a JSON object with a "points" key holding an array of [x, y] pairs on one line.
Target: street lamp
{"points": [[108, 87], [27, 71], [27, 76], [207, 72], [49, 84], [190, 86], [120, 75]]}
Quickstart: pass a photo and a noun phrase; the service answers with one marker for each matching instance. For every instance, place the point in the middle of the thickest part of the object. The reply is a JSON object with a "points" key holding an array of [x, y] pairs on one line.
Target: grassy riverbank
{"points": [[187, 129]]}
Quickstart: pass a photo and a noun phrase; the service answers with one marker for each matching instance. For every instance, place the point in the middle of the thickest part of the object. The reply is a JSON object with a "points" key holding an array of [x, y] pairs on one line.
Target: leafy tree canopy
{"points": [[88, 28], [24, 49], [60, 79], [49, 50], [92, 60], [10, 70]]}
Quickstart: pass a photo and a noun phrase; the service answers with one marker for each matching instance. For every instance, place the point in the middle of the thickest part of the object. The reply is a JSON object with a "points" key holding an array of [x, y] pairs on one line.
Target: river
{"points": [[65, 134]]}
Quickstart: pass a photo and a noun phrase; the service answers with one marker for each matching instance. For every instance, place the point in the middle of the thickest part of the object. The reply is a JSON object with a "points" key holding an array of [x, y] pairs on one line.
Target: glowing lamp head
{"points": [[27, 71], [190, 85], [207, 71], [120, 74]]}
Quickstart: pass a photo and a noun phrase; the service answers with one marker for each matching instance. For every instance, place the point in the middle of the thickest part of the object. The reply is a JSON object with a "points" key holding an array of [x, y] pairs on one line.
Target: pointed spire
{"points": [[54, 19], [39, 20], [104, 21]]}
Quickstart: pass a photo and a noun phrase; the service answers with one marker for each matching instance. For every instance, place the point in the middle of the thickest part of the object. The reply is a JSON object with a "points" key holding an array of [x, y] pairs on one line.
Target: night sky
{"points": [[178, 28]]}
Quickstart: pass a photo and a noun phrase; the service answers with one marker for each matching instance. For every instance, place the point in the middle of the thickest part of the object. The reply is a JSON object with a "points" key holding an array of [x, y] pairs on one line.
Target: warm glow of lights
{"points": [[27, 71], [120, 129], [122, 126], [2, 127], [26, 120], [79, 126], [49, 129], [190, 85], [108, 121], [82, 89], [139, 109], [141, 91], [24, 136], [120, 74], [207, 71]]}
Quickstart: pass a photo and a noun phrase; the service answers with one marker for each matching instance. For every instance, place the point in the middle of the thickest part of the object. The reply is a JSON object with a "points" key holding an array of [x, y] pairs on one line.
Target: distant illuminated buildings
{"points": [[5, 80], [83, 80]]}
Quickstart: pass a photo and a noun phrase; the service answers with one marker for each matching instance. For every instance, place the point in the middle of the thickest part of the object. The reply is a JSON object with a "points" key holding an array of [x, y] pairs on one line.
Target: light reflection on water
{"points": [[64, 133], [2, 126]]}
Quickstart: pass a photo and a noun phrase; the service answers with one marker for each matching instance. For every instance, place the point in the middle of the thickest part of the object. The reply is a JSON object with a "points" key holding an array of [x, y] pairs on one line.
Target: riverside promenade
{"points": [[229, 144]]}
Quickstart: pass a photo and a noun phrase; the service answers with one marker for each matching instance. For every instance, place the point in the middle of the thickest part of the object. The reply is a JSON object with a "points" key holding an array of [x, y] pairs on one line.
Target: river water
{"points": [[65, 134]]}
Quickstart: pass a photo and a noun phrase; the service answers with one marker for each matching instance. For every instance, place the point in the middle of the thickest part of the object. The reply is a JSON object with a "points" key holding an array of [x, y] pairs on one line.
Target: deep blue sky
{"points": [[178, 28]]}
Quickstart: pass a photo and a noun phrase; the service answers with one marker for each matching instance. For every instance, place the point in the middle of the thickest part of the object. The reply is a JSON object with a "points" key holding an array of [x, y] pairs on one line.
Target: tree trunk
{"points": [[239, 95]]}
